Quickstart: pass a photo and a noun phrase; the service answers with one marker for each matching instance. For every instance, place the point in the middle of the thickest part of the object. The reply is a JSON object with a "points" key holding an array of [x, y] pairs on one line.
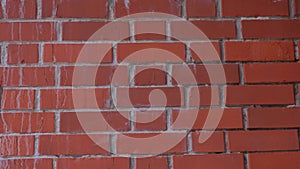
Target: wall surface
{"points": [[70, 100]]}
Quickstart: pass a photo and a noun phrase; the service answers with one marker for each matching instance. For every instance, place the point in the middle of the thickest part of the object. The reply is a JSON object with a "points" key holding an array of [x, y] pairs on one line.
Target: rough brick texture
{"points": [[210, 84]]}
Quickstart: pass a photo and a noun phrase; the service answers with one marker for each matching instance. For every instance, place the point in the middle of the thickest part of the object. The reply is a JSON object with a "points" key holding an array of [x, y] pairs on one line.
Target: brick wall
{"points": [[256, 46]]}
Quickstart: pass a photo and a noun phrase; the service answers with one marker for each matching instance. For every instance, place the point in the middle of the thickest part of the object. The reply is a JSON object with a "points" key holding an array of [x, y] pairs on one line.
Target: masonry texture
{"points": [[258, 46]]}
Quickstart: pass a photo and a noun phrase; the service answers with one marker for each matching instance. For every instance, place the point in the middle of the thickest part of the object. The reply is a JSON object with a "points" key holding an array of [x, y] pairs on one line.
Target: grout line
{"points": [[36, 145], [183, 9], [4, 54], [59, 30], [188, 52], [186, 92], [39, 9], [132, 163], [246, 161], [296, 43], [41, 51], [291, 8], [132, 120], [219, 8], [222, 48], [222, 90], [297, 99], [245, 118], [54, 163], [37, 100], [57, 121], [57, 76], [111, 6], [239, 29], [113, 144], [189, 142], [241, 74], [131, 75], [169, 74], [169, 119], [4, 13], [168, 30], [131, 31], [170, 162], [226, 142], [114, 53]]}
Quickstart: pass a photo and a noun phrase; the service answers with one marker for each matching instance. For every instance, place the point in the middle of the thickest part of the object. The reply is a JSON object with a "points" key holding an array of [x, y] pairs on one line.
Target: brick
{"points": [[150, 120], [152, 163], [140, 97], [251, 8], [297, 7], [280, 28], [79, 163], [14, 99], [274, 160], [230, 119], [267, 140], [150, 30], [214, 144], [211, 161], [29, 163], [259, 51], [82, 31], [205, 74], [260, 94], [74, 9], [17, 145], [134, 143], [204, 96], [150, 75], [21, 9], [28, 76], [25, 53], [27, 122], [72, 121], [94, 75], [151, 52], [127, 8], [69, 53], [212, 29], [205, 8], [269, 73], [273, 117], [27, 31], [204, 52], [63, 98], [70, 144]]}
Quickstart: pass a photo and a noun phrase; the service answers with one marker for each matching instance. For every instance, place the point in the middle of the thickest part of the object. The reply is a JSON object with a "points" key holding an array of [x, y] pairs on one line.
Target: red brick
{"points": [[27, 76], [259, 51], [259, 94], [271, 28], [27, 163], [150, 120], [203, 51], [205, 74], [255, 8], [204, 96], [214, 144], [152, 163], [204, 8], [69, 121], [212, 29], [209, 161], [140, 97], [17, 145], [123, 8], [27, 122], [297, 7], [79, 163], [19, 9], [134, 143], [150, 75], [74, 9], [18, 99], [268, 73], [272, 160], [104, 75], [62, 98], [69, 53], [267, 140], [273, 117], [81, 31], [27, 31], [71, 145], [25, 53], [1, 13], [230, 119], [150, 30], [151, 52]]}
